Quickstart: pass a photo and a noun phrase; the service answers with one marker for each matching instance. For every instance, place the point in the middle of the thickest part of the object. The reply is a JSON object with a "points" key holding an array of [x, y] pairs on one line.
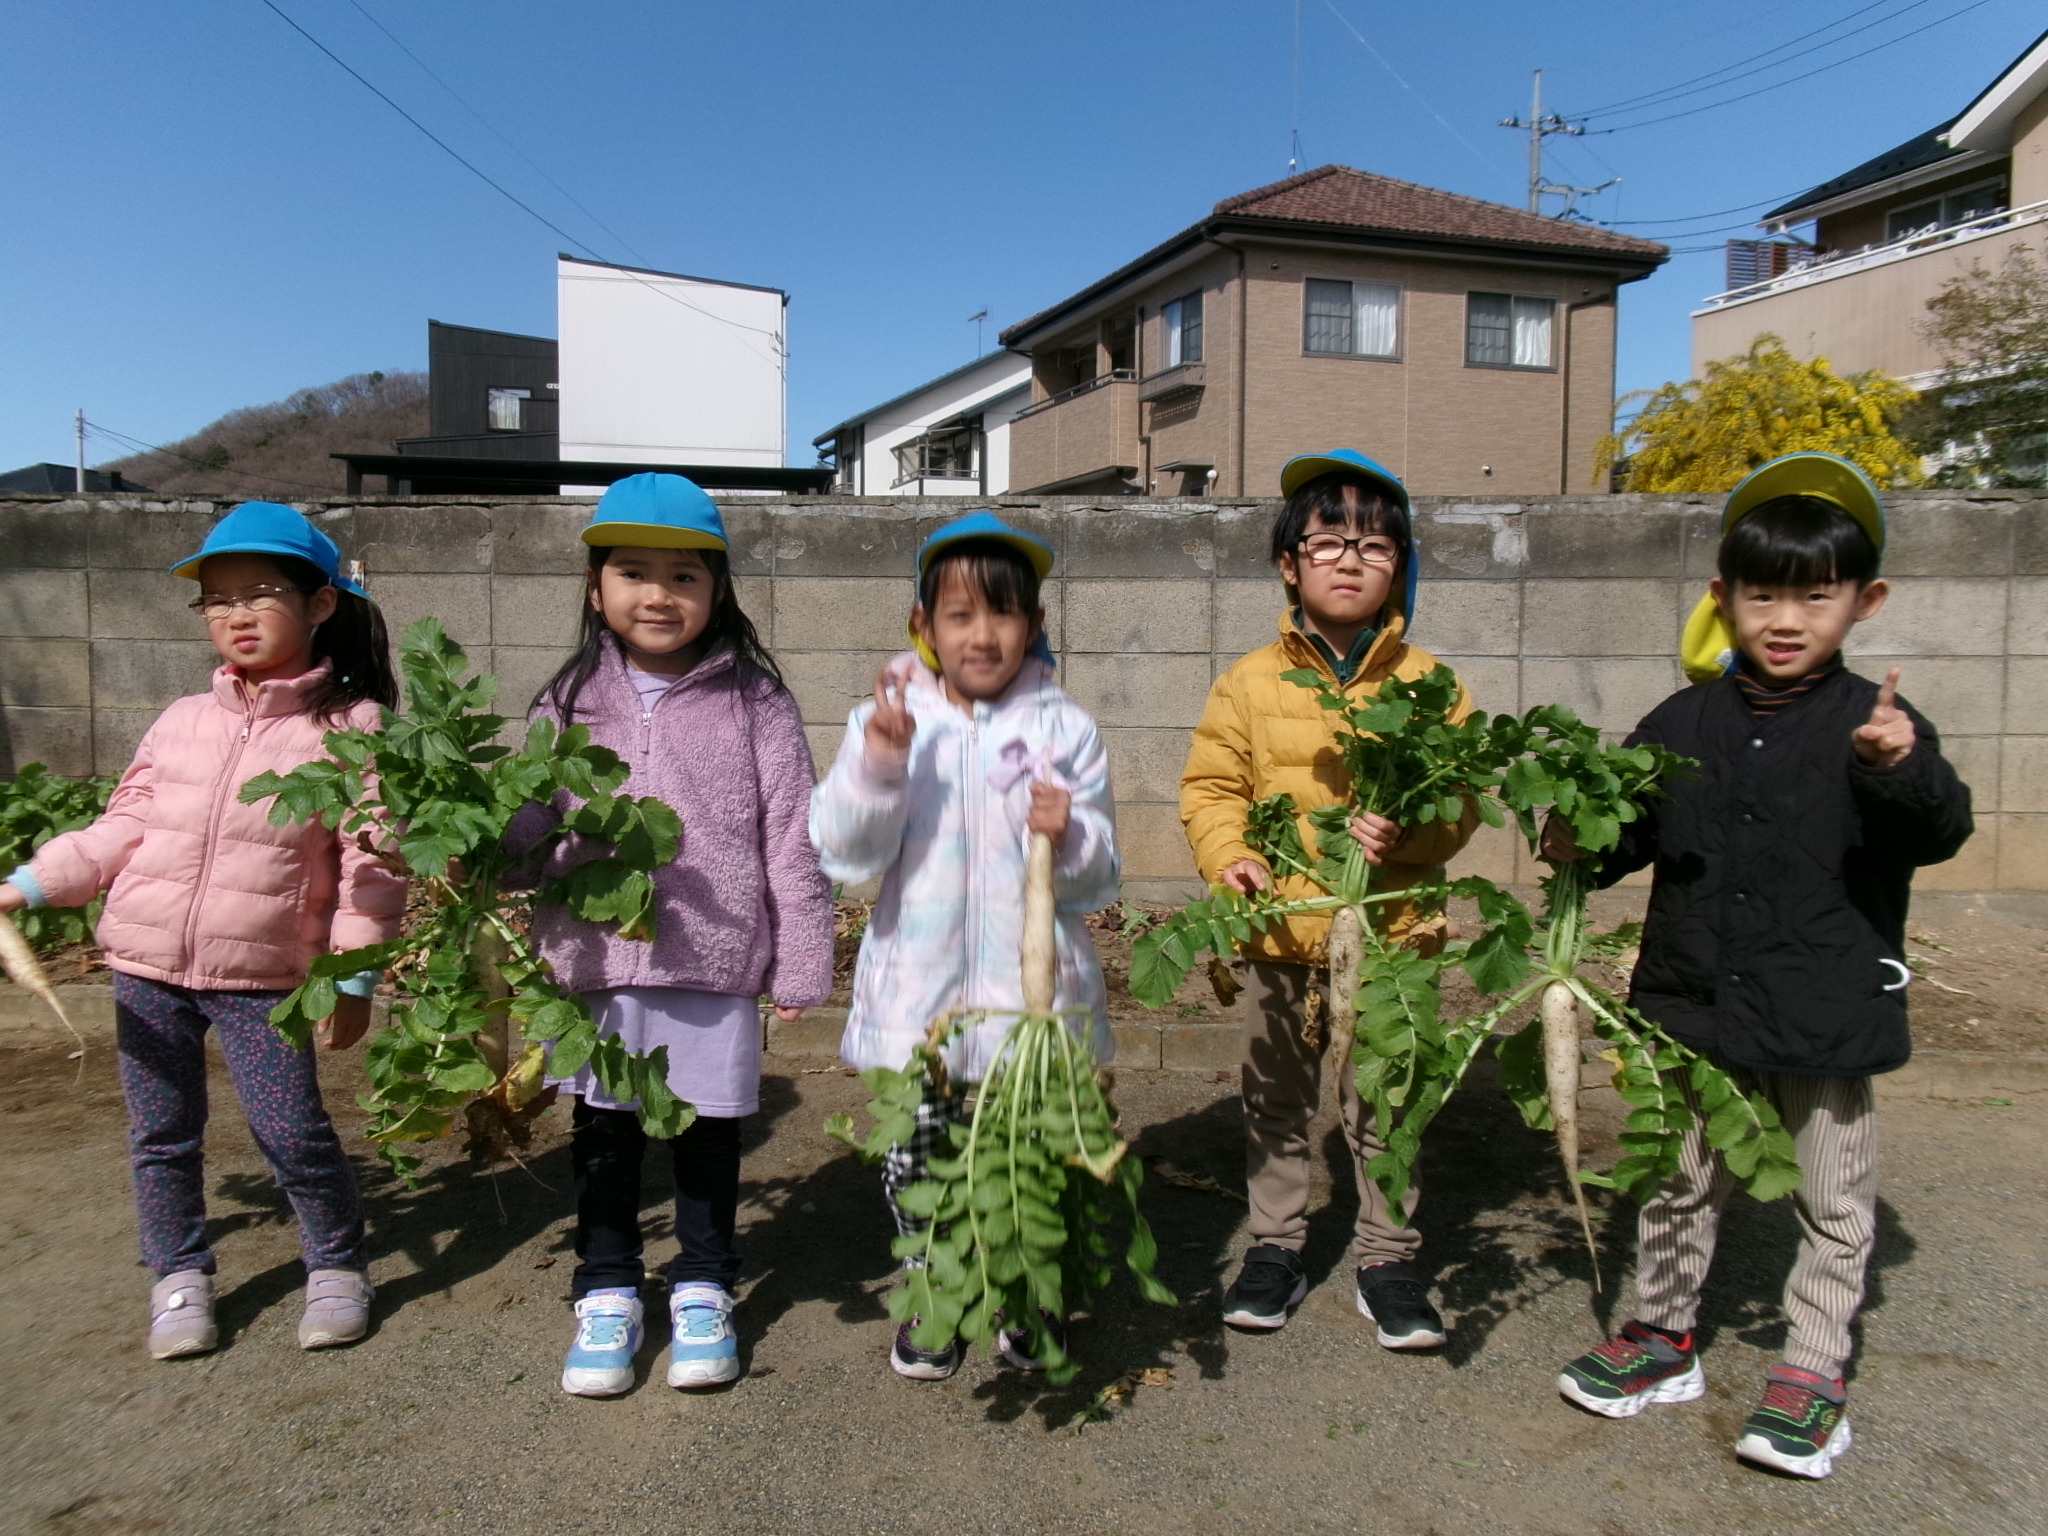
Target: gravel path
{"points": [[448, 1420]]}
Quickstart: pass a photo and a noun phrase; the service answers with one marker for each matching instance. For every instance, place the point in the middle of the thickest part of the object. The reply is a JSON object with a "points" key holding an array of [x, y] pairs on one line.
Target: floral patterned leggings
{"points": [[161, 1033]]}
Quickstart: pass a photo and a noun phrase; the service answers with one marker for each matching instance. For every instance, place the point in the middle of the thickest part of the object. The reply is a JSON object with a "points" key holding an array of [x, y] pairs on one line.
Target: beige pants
{"points": [[1283, 1084], [1833, 1121]]}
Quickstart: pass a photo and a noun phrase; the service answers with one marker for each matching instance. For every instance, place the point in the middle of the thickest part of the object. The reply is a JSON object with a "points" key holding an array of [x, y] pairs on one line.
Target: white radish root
{"points": [[1038, 956], [1560, 1011], [26, 972], [1347, 957]]}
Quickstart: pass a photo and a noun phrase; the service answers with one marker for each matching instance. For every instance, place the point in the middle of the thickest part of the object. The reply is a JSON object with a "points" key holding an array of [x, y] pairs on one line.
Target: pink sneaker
{"points": [[337, 1308], [181, 1315]]}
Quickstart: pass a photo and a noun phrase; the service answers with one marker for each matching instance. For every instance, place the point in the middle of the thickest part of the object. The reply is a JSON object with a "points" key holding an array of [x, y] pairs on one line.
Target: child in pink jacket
{"points": [[213, 914]]}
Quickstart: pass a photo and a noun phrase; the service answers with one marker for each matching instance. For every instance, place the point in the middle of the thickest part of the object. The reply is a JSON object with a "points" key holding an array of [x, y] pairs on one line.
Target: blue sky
{"points": [[208, 214]]}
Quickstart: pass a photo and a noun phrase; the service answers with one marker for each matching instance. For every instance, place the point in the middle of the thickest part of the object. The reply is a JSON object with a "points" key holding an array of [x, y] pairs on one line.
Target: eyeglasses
{"points": [[217, 608], [1328, 549]]}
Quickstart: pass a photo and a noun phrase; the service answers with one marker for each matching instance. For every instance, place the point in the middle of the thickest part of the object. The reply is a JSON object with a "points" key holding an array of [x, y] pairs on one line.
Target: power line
{"points": [[136, 443], [1673, 92], [1432, 111], [1795, 79], [1696, 217], [779, 361], [494, 130]]}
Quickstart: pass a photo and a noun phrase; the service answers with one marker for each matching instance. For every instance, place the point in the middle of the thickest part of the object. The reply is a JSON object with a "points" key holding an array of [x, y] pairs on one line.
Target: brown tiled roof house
{"points": [[1467, 345]]}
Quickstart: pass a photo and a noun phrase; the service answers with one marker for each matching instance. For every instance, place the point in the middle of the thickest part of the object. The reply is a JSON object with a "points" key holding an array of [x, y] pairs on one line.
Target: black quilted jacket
{"points": [[1777, 922]]}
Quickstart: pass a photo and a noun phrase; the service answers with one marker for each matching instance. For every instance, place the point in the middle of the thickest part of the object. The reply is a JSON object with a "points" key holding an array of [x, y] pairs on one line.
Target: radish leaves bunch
{"points": [[36, 805], [437, 793], [1021, 1205]]}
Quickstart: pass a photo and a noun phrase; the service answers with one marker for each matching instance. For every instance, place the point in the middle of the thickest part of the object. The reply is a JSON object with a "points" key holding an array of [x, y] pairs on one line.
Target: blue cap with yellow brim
{"points": [[983, 525], [270, 528], [1708, 649], [656, 511], [1301, 469]]}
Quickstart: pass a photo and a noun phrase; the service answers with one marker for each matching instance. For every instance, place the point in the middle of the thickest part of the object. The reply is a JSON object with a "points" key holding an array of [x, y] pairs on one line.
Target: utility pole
{"points": [[1541, 127], [81, 450]]}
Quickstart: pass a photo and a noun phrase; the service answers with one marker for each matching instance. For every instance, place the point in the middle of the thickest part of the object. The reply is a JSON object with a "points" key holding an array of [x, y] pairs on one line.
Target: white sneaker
{"points": [[705, 1351], [608, 1333], [181, 1315]]}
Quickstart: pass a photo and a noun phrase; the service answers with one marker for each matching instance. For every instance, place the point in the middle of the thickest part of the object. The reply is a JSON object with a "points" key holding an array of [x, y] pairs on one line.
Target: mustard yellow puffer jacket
{"points": [[1260, 736]]}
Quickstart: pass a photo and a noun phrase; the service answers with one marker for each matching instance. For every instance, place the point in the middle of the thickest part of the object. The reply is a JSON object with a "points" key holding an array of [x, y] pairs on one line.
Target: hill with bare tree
{"points": [[279, 451]]}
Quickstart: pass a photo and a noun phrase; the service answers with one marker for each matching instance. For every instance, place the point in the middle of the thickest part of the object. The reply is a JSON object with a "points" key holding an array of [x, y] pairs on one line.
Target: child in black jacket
{"points": [[1775, 937]]}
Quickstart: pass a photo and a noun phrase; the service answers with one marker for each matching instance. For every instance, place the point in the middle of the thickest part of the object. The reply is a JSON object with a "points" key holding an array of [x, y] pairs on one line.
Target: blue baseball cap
{"points": [[655, 511], [269, 528], [1301, 469], [984, 524]]}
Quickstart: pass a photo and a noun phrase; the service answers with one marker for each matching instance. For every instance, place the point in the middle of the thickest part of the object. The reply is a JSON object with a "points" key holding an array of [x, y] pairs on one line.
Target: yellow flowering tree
{"points": [[1706, 434]]}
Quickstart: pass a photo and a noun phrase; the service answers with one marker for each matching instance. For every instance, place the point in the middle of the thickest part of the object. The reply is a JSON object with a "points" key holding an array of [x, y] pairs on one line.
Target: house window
{"points": [[941, 454], [1351, 319], [508, 409], [1504, 330], [1184, 330], [1943, 212]]}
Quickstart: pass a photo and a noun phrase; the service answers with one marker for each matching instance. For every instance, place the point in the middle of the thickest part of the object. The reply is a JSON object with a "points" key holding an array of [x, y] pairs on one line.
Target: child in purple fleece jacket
{"points": [[671, 676]]}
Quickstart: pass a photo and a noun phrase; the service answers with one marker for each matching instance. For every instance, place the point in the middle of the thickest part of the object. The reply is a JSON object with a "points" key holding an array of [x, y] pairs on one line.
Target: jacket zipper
{"points": [[220, 796], [975, 839]]}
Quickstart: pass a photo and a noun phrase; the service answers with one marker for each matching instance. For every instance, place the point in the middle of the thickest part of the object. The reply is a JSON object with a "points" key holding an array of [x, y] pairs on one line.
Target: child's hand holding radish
{"points": [[11, 900], [1887, 739], [1375, 834], [1051, 809], [346, 1025]]}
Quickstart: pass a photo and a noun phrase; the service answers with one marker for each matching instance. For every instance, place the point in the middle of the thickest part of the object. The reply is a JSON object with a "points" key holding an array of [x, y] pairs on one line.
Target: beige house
{"points": [[1466, 345], [1890, 233]]}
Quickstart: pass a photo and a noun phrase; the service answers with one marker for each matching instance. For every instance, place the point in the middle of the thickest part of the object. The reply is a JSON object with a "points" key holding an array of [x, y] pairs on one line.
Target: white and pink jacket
{"points": [[202, 891], [943, 829]]}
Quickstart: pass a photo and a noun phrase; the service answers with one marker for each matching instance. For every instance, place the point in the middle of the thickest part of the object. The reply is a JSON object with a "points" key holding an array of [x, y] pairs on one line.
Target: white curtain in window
{"points": [[1532, 333], [1328, 322], [1376, 333]]}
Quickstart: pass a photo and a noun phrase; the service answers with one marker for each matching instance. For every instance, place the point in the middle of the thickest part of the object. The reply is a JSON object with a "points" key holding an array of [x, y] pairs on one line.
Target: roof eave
{"points": [[1631, 265], [1986, 123], [1800, 211]]}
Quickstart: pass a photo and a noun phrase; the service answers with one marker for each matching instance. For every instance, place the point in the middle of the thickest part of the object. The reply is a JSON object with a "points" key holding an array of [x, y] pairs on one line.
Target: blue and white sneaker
{"points": [[706, 1351], [608, 1333]]}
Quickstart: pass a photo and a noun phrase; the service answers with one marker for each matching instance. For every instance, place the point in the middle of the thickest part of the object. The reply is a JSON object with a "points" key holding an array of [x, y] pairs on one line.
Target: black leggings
{"points": [[606, 1151]]}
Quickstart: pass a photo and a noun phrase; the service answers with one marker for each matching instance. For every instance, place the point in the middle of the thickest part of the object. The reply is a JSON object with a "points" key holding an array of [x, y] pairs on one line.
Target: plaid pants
{"points": [[904, 1164]]}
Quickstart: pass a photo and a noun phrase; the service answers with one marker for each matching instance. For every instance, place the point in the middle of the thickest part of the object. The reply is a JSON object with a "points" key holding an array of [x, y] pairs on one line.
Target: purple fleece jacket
{"points": [[744, 908]]}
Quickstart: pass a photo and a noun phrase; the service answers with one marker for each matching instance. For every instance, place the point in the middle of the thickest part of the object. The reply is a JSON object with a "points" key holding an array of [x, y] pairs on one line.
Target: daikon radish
{"points": [[26, 972], [1038, 957], [1347, 957], [1560, 1010]]}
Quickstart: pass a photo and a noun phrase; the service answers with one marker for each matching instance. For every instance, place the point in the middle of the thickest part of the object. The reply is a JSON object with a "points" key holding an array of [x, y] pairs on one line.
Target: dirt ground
{"points": [[448, 1418]]}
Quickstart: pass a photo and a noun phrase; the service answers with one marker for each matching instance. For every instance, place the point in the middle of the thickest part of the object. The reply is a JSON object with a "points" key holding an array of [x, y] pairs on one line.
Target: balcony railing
{"points": [[1842, 263], [1114, 376]]}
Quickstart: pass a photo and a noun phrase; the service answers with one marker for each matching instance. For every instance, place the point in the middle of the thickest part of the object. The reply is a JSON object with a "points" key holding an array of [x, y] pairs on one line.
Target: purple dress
{"points": [[713, 1038]]}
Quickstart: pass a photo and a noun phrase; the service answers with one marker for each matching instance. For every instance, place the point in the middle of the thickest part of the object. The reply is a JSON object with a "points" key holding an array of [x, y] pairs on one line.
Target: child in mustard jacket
{"points": [[1342, 545]]}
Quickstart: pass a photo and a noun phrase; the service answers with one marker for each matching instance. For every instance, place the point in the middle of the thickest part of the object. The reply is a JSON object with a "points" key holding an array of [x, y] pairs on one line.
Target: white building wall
{"points": [[661, 369], [998, 387]]}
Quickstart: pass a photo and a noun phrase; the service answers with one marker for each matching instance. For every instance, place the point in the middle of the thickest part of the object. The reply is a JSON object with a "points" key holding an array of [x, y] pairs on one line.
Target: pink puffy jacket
{"points": [[205, 892]]}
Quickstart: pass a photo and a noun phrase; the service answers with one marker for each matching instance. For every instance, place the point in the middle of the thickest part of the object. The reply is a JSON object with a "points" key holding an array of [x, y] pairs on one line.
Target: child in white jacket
{"points": [[967, 748]]}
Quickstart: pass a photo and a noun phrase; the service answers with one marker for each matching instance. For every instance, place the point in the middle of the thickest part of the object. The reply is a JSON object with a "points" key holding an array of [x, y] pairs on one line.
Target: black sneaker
{"points": [[1271, 1281], [1014, 1344], [906, 1359], [1394, 1296], [1622, 1377], [1800, 1427]]}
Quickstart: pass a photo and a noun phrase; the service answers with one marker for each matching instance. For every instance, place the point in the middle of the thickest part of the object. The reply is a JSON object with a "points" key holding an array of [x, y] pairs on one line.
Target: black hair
{"points": [[999, 571], [729, 629], [1797, 541], [1335, 500], [352, 641]]}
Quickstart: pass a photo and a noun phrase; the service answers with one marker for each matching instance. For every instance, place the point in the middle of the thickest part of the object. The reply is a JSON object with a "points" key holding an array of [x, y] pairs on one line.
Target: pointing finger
{"points": [[1888, 690]]}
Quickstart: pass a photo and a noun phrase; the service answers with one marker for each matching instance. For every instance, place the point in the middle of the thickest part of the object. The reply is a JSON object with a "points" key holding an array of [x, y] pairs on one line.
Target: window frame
{"points": [[1175, 329], [517, 392], [1400, 292], [1511, 366]]}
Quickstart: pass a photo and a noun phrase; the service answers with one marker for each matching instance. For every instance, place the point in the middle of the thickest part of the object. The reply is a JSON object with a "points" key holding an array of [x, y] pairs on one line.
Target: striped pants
{"points": [[1833, 1122]]}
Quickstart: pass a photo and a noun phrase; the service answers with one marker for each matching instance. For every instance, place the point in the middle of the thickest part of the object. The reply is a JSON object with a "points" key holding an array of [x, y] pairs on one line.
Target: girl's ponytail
{"points": [[353, 642]]}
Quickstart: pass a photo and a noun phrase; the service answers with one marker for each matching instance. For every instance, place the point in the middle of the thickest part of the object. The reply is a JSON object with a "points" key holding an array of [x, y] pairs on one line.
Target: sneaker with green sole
{"points": [[1800, 1427], [1640, 1366]]}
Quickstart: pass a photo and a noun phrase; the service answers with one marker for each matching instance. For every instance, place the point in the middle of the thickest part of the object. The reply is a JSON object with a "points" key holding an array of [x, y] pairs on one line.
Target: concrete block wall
{"points": [[1571, 600]]}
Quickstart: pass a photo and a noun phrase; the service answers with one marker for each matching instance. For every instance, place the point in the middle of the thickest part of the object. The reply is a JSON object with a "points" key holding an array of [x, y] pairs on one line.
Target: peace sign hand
{"points": [[891, 726], [1886, 740]]}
